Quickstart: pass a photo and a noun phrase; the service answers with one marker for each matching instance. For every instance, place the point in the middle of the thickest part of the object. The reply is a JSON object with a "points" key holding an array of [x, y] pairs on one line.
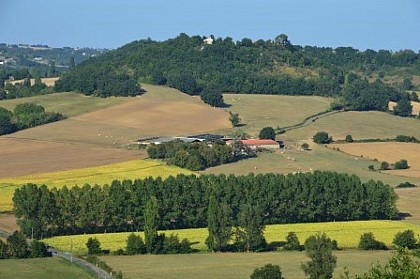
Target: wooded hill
{"points": [[264, 67]]}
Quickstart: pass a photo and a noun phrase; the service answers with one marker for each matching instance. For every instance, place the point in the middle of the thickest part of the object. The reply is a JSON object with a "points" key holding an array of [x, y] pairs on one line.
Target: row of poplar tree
{"points": [[192, 201]]}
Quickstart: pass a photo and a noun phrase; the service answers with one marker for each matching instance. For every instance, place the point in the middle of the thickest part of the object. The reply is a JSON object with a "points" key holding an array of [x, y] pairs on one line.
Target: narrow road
{"points": [[100, 273], [309, 120]]}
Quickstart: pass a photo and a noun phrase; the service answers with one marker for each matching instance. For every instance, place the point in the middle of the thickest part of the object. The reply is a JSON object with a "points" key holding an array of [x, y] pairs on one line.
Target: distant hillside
{"points": [[196, 64]]}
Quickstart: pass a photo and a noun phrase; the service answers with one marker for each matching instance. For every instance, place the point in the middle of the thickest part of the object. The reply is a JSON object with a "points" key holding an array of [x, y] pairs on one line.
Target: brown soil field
{"points": [[19, 156], [416, 107], [390, 152], [95, 138]]}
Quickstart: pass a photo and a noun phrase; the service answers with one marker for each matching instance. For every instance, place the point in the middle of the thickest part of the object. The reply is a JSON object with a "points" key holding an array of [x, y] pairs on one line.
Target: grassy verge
{"points": [[45, 268]]}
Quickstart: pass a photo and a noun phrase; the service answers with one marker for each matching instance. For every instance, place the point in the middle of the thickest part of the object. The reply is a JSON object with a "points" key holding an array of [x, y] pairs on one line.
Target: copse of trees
{"points": [[267, 133], [184, 202], [198, 156], [17, 247], [25, 116]]}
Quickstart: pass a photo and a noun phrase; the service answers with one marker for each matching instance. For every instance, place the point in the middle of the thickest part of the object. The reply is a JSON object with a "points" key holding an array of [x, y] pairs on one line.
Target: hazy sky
{"points": [[362, 24]]}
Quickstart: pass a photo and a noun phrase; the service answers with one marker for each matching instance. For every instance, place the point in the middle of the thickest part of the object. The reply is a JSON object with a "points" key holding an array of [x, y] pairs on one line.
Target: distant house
{"points": [[259, 143], [208, 41]]}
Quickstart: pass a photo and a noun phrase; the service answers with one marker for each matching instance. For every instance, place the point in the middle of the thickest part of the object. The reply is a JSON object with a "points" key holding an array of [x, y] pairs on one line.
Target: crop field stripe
{"points": [[347, 234]]}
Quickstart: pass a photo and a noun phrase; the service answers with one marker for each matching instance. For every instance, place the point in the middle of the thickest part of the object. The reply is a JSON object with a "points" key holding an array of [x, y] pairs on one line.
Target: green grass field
{"points": [[46, 268], [347, 234], [68, 104], [258, 111], [361, 125], [319, 158], [234, 265], [94, 175]]}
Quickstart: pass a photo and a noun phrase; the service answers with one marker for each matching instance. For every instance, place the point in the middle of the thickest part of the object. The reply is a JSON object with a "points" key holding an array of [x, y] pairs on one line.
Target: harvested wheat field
{"points": [[408, 203], [161, 111], [47, 81], [20, 156], [96, 138], [390, 152]]}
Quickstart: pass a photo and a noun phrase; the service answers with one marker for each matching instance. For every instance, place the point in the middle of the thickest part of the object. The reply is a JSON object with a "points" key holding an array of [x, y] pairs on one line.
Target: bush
{"points": [[39, 250], [322, 138], [349, 138], [94, 246], [135, 245], [305, 146], [267, 133], [384, 165], [268, 271], [292, 242], [368, 242], [401, 165], [405, 239], [403, 138], [406, 185]]}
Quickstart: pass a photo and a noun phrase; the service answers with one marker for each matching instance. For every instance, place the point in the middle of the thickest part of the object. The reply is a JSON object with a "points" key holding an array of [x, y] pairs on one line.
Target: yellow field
{"points": [[347, 234], [390, 152], [47, 81], [93, 175]]}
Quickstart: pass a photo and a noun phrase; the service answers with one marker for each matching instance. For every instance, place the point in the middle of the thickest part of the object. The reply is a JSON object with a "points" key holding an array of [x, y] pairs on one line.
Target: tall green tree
{"points": [[322, 261], [93, 245], [151, 215], [251, 220], [72, 65], [218, 225]]}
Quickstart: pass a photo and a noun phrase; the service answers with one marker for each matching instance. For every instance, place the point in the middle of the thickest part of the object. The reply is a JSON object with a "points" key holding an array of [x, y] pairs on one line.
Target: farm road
{"points": [[309, 120]]}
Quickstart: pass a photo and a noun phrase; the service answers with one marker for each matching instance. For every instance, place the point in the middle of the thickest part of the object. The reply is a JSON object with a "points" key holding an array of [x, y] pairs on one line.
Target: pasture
{"points": [[390, 152], [347, 234], [100, 175], [42, 268], [234, 265], [408, 202], [361, 125], [68, 104], [258, 111], [293, 159]]}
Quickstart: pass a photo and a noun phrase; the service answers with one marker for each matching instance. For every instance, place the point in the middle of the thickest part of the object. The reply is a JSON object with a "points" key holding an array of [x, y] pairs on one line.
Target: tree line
{"points": [[184, 202], [26, 115], [16, 247], [199, 156]]}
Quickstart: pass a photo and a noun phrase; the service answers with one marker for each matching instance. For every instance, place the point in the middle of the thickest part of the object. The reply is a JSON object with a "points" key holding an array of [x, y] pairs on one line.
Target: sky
{"points": [[362, 24]]}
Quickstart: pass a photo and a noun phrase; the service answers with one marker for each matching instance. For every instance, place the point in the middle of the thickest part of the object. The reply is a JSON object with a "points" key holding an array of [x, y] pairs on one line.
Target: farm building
{"points": [[259, 143]]}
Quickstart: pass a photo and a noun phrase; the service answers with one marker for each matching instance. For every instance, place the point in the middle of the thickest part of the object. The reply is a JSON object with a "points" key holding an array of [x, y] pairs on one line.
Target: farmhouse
{"points": [[259, 143]]}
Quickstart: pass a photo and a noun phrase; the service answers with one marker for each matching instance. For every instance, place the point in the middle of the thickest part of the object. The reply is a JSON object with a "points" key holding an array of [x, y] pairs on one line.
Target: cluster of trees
{"points": [[25, 89], [322, 138], [198, 156], [184, 201], [17, 247], [190, 65], [25, 116], [99, 81]]}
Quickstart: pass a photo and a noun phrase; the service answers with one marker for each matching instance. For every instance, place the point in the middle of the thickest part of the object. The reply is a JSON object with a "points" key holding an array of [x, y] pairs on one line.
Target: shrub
{"points": [[406, 185], [135, 245], [267, 133], [384, 165], [292, 242], [305, 146], [401, 165], [403, 138], [349, 138], [368, 242], [371, 167], [405, 239], [268, 271]]}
